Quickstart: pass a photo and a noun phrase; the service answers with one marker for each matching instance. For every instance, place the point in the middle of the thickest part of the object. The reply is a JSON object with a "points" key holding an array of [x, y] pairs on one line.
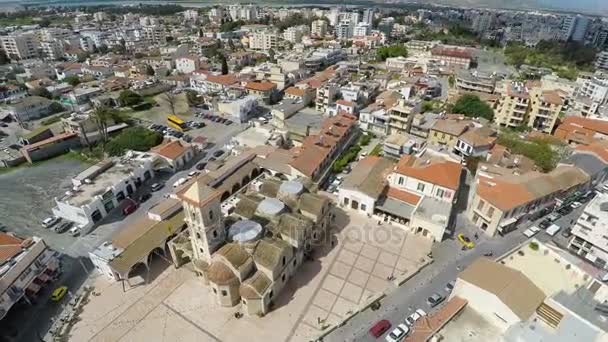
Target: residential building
{"points": [[362, 29], [594, 88], [476, 142], [501, 202], [326, 94], [294, 34], [85, 126], [27, 265], [176, 155], [475, 82], [601, 60], [301, 93], [588, 233], [102, 187], [238, 110], [20, 45], [386, 26], [483, 22], [575, 28], [375, 117], [30, 108], [263, 40], [582, 131], [513, 106], [187, 64], [50, 147], [368, 16], [401, 116], [234, 255], [51, 50], [272, 73], [264, 91], [318, 152], [453, 56], [206, 84], [319, 28], [446, 131], [344, 30]]}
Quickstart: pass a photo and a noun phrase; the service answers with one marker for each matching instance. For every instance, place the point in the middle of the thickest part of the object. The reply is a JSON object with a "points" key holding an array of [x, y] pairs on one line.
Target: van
{"points": [[553, 229]]}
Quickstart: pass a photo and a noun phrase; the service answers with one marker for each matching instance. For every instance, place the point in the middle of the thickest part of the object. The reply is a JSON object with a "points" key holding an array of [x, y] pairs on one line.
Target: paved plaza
{"points": [[325, 290]]}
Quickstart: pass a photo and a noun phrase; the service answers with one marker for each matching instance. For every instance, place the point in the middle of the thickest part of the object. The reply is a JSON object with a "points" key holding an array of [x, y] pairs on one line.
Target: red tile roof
{"points": [[260, 86], [459, 53], [345, 103], [171, 150], [51, 140], [226, 80], [443, 173], [403, 196], [295, 91], [9, 246], [599, 126]]}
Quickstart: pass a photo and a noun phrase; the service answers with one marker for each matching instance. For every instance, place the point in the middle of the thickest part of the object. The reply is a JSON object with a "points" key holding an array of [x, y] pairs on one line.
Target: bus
{"points": [[176, 123]]}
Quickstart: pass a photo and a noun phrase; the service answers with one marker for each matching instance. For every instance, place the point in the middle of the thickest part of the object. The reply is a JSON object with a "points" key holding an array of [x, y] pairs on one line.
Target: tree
{"points": [[3, 57], [102, 116], [41, 91], [56, 107], [170, 99], [231, 44], [133, 138], [473, 106], [391, 51], [224, 65], [72, 80], [200, 32], [149, 70], [129, 98], [103, 49], [271, 56]]}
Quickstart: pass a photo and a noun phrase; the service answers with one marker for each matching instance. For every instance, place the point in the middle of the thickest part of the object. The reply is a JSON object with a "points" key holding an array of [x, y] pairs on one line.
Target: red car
{"points": [[380, 328], [129, 208]]}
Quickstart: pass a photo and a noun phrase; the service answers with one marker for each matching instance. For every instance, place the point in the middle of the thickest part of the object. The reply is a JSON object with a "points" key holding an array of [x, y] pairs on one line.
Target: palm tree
{"points": [[102, 116]]}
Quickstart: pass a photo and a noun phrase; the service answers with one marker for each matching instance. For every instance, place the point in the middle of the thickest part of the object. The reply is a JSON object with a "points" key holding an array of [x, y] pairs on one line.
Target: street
{"points": [[449, 260]]}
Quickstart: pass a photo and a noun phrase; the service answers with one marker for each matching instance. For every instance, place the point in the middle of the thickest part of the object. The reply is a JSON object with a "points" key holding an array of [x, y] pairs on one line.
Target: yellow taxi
{"points": [[59, 293], [465, 241]]}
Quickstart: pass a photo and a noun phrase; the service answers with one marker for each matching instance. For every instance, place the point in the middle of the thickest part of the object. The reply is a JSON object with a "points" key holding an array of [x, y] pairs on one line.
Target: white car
{"points": [[411, 319], [575, 205], [75, 231], [530, 232], [180, 182], [398, 333], [50, 221], [193, 174]]}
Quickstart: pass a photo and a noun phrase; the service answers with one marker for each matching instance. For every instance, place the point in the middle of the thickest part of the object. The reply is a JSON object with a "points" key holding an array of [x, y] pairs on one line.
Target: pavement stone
{"points": [[365, 264], [358, 277], [351, 292], [333, 284]]}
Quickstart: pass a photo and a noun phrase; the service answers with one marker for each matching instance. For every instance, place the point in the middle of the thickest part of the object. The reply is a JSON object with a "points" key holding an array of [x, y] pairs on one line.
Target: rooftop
{"points": [[443, 173], [369, 176]]}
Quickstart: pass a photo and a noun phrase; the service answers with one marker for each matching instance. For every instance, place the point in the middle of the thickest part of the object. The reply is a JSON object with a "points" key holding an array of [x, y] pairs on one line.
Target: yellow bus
{"points": [[176, 123]]}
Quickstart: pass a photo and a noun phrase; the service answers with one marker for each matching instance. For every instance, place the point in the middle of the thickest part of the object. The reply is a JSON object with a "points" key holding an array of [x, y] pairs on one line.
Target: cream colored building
{"points": [[513, 106], [248, 257], [401, 116], [545, 107]]}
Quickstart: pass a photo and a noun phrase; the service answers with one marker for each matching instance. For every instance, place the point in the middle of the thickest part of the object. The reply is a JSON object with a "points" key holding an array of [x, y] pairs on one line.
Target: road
{"points": [[449, 260]]}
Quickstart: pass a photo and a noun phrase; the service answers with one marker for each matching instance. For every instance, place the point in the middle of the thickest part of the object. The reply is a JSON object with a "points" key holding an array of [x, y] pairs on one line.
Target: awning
{"points": [[33, 288], [396, 208], [508, 222]]}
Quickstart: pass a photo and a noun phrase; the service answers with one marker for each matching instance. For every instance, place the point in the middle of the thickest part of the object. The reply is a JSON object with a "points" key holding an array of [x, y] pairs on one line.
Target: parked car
{"points": [[59, 293], [576, 205], [530, 232], [398, 333], [379, 328], [465, 241], [144, 197], [411, 319], [50, 221], [567, 233], [156, 186], [554, 217], [63, 227], [435, 300], [201, 166], [193, 174], [75, 231], [545, 224], [180, 182], [450, 286], [218, 153], [565, 210], [129, 208]]}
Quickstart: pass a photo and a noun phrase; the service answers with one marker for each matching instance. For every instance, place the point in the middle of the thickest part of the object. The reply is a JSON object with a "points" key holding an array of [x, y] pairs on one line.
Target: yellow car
{"points": [[58, 293], [465, 241]]}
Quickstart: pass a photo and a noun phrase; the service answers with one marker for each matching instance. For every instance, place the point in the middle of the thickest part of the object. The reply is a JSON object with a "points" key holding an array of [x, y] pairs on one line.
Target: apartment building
{"points": [[513, 106], [456, 57], [362, 29], [326, 94], [545, 108], [447, 131], [501, 202], [594, 88], [294, 34], [272, 73], [51, 50], [26, 266], [154, 34], [589, 235], [475, 82], [582, 131], [263, 40], [187, 64], [401, 116], [601, 61], [319, 28], [20, 45]]}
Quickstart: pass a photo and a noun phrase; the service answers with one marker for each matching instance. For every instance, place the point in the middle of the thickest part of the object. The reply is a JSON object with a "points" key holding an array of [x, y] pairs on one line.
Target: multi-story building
{"points": [[319, 28], [501, 202], [588, 234], [325, 96], [187, 64], [51, 50], [594, 87], [294, 34], [447, 131], [362, 29], [344, 30], [457, 57], [575, 28], [601, 61], [401, 116], [20, 45], [368, 16], [263, 40], [154, 34], [475, 82], [483, 22], [513, 106], [386, 26], [545, 108], [26, 266]]}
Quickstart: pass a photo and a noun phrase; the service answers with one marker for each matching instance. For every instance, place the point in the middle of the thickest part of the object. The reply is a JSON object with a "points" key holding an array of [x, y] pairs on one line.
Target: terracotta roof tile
{"points": [[171, 150], [260, 86], [444, 173], [295, 91], [403, 196], [9, 246]]}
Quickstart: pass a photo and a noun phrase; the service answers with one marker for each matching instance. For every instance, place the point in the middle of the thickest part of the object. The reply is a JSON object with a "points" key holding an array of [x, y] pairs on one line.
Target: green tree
{"points": [[271, 56], [56, 107], [224, 65], [129, 98], [473, 106], [72, 80], [391, 51], [102, 116], [149, 70], [3, 57], [41, 91], [133, 138]]}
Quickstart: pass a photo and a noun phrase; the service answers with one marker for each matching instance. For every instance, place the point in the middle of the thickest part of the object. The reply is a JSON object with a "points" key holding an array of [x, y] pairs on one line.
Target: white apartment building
{"points": [[23, 270], [344, 30], [52, 50], [595, 88], [100, 16], [368, 16], [154, 34], [590, 233], [20, 45], [187, 64], [191, 15], [362, 29], [319, 28], [601, 61], [263, 40], [294, 34], [102, 187]]}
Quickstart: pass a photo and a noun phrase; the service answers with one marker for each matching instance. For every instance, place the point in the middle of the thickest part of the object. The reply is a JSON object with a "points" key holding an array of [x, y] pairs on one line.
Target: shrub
{"points": [[133, 138], [533, 246]]}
